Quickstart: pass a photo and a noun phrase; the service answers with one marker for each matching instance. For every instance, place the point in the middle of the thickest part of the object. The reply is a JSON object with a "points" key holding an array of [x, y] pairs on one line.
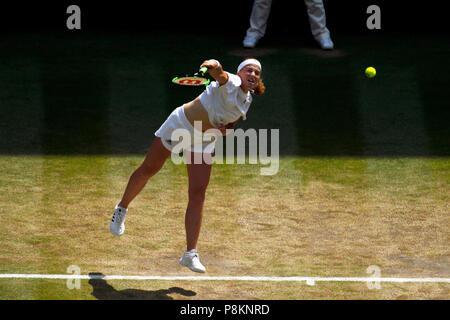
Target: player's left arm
{"points": [[216, 71]]}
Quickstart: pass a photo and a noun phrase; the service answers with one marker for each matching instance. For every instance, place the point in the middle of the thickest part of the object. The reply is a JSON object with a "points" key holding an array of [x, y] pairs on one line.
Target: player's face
{"points": [[250, 76]]}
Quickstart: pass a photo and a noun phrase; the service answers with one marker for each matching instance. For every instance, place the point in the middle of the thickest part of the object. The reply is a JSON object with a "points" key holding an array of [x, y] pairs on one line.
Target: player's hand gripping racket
{"points": [[197, 79]]}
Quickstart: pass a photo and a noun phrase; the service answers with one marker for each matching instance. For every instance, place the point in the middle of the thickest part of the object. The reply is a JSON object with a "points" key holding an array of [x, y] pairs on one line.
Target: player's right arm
{"points": [[216, 71]]}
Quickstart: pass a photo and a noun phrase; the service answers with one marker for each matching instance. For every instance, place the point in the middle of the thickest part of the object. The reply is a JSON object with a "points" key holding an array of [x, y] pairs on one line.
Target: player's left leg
{"points": [[153, 162]]}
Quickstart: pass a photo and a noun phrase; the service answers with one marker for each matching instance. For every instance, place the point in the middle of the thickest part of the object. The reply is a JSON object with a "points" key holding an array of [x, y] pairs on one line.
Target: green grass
{"points": [[363, 178], [316, 217]]}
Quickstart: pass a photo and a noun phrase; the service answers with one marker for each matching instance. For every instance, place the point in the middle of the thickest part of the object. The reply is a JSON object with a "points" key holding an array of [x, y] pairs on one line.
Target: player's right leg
{"points": [[153, 162]]}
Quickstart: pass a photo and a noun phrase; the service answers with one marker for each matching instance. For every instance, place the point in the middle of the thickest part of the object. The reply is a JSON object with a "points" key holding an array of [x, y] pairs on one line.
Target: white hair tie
{"points": [[247, 62]]}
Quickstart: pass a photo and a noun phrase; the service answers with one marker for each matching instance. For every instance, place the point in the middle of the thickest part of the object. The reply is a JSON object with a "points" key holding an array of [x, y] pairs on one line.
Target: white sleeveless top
{"points": [[226, 103]]}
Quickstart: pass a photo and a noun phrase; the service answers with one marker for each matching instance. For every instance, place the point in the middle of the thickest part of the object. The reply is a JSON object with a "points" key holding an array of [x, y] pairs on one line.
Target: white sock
{"points": [[123, 209]]}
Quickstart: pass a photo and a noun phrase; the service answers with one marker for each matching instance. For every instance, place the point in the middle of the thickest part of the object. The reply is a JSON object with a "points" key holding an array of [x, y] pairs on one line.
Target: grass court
{"points": [[363, 179]]}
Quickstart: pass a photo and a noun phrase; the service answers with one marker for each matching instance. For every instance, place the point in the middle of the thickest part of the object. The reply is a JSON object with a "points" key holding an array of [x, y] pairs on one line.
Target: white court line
{"points": [[226, 278]]}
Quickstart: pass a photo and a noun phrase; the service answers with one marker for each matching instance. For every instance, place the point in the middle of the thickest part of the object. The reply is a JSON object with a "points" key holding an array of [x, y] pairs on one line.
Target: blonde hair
{"points": [[260, 89]]}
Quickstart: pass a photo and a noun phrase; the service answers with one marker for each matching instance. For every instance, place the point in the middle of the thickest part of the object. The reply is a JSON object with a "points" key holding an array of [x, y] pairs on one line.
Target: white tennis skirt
{"points": [[170, 137]]}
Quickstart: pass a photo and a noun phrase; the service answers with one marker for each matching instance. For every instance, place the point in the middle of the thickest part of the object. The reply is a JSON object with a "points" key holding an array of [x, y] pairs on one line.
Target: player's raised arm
{"points": [[216, 71]]}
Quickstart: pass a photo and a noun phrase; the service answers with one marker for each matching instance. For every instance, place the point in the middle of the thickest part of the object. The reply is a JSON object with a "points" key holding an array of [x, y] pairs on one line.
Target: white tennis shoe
{"points": [[117, 225], [191, 260]]}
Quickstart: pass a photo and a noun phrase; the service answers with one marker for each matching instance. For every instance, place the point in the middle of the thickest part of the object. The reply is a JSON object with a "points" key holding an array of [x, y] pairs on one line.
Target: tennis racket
{"points": [[195, 80]]}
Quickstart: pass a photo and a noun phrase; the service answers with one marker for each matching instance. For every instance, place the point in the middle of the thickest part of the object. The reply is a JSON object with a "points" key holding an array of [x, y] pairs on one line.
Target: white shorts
{"points": [[178, 120]]}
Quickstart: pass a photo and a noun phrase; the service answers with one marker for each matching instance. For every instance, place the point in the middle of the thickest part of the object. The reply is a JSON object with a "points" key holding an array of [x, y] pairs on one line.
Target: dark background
{"points": [[230, 17], [106, 88]]}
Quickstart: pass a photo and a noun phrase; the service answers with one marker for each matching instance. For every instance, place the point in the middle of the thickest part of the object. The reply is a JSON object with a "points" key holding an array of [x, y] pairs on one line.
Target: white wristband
{"points": [[218, 63]]}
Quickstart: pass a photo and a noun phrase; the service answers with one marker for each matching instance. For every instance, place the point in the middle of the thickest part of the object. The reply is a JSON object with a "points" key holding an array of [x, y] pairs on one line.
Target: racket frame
{"points": [[200, 75]]}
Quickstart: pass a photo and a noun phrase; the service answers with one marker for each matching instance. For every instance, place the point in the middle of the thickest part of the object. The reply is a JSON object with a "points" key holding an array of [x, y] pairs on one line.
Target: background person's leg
{"points": [[317, 21], [258, 22]]}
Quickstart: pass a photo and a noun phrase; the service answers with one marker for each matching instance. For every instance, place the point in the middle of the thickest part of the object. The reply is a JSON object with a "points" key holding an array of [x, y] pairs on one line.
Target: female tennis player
{"points": [[219, 106]]}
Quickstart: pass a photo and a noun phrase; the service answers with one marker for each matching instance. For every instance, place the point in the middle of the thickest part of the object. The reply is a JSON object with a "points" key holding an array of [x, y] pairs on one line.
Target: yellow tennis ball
{"points": [[371, 72]]}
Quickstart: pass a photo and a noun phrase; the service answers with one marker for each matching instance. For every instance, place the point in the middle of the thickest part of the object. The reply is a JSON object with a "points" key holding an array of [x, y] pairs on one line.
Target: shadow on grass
{"points": [[102, 290]]}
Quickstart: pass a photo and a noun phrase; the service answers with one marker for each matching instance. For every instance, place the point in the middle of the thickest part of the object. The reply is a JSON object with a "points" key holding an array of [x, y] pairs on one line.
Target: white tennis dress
{"points": [[224, 103]]}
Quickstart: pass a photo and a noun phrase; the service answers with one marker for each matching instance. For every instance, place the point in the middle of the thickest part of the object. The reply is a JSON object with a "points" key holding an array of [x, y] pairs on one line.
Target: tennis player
{"points": [[219, 106]]}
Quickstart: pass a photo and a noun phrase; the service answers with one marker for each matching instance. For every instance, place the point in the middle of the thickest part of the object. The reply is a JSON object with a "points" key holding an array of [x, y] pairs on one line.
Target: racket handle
{"points": [[203, 70]]}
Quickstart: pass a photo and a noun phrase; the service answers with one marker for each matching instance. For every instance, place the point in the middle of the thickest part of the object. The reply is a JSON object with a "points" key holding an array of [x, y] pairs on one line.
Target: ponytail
{"points": [[260, 89]]}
